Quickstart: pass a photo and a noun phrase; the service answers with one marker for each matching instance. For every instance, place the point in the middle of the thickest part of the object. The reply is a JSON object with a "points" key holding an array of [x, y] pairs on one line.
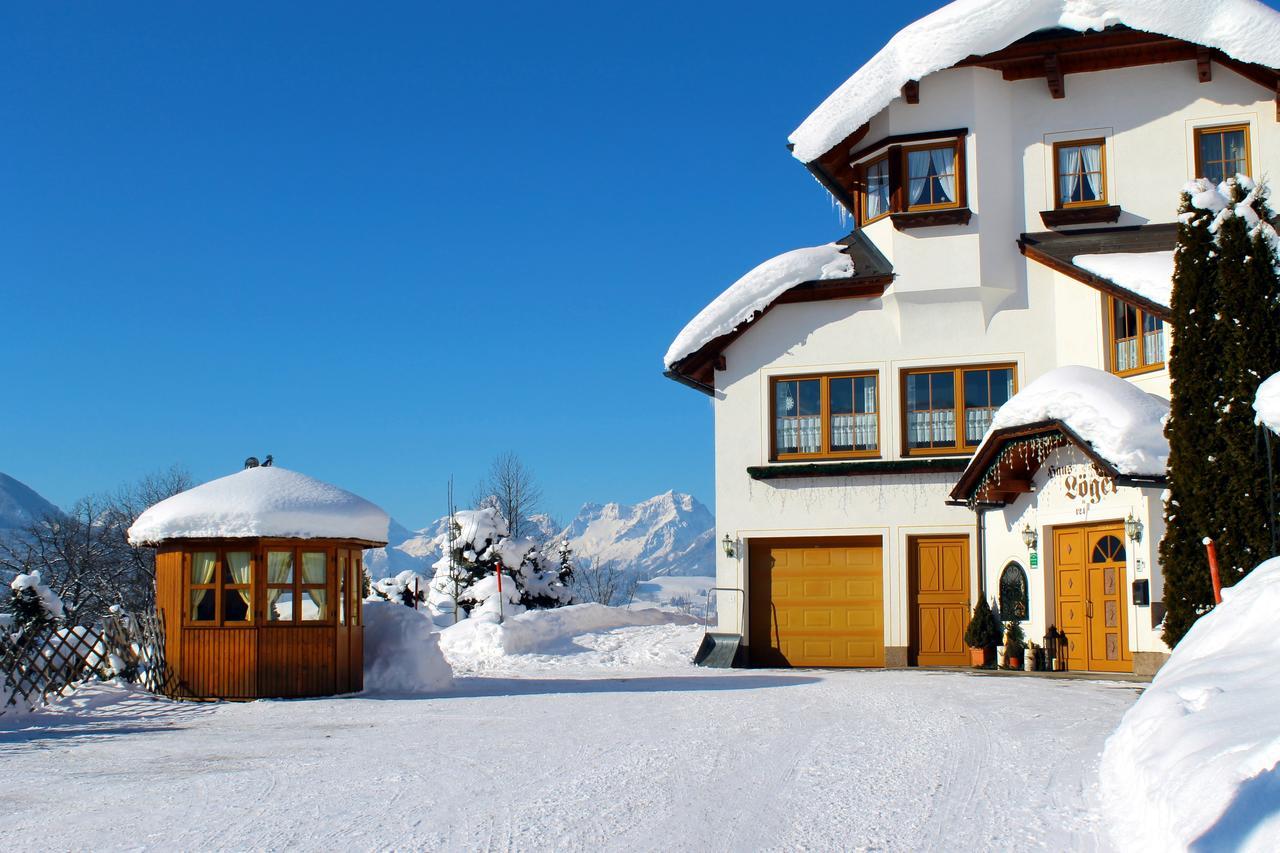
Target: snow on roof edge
{"points": [[1245, 30], [756, 291]]}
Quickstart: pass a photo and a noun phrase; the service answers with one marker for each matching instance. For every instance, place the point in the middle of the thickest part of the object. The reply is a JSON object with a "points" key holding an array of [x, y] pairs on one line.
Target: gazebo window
{"points": [[294, 596], [220, 587], [314, 600]]}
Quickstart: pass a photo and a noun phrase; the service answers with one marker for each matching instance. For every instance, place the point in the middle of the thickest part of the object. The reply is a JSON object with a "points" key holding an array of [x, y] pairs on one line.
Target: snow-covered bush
{"points": [[393, 588], [401, 651], [1194, 763], [33, 604]]}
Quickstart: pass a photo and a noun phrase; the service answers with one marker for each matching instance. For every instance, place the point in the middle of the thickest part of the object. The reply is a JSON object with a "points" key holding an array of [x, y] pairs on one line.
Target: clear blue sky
{"points": [[387, 241]]}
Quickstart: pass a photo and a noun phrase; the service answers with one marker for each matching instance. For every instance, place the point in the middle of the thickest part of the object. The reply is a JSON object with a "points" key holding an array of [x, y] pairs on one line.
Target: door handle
{"points": [[1088, 610]]}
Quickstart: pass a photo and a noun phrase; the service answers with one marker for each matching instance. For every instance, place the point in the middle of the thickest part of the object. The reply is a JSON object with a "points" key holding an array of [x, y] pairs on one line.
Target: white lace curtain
{"points": [[1080, 168], [933, 175]]}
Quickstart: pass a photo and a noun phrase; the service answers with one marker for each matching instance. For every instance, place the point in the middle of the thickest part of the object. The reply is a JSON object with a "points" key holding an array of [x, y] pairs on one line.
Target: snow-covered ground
{"points": [[613, 741]]}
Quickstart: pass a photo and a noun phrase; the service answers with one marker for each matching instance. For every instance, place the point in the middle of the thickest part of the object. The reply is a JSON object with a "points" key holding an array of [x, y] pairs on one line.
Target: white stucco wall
{"points": [[962, 295]]}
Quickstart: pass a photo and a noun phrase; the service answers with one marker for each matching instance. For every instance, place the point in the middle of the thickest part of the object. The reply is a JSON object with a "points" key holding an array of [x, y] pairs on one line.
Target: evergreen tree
{"points": [[1195, 389]]}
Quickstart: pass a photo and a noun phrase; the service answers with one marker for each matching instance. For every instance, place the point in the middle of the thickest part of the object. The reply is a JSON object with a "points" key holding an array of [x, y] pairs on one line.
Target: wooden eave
{"points": [[1018, 478], [1055, 250]]}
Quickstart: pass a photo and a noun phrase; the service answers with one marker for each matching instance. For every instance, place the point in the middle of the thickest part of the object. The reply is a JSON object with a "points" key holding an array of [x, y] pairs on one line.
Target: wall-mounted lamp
{"points": [[1133, 528], [727, 544], [1029, 537]]}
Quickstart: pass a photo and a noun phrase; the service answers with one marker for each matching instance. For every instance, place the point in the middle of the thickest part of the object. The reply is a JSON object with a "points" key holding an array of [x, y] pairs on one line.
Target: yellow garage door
{"points": [[816, 602]]}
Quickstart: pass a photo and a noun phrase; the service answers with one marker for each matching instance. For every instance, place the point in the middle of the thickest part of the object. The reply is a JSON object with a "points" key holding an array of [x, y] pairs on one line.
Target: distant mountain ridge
{"points": [[668, 534], [20, 505]]}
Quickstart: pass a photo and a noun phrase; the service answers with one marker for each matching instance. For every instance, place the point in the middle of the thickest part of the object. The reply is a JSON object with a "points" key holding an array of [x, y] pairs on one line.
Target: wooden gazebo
{"points": [[258, 582]]}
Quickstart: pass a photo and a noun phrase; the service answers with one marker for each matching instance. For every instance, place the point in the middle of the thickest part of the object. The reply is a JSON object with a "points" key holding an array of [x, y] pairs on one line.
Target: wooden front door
{"points": [[1089, 598], [938, 575], [816, 603]]}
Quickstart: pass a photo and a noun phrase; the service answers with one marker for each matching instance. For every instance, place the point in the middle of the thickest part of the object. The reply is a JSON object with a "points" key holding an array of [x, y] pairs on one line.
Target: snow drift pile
{"points": [[401, 652], [1244, 29], [1267, 404], [476, 643], [264, 501], [1194, 761], [756, 291], [1122, 423]]}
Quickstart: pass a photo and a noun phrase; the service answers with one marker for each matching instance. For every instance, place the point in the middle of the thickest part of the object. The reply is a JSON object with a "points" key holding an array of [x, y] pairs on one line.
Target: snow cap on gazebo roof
{"points": [[1123, 424], [1245, 30], [264, 501]]}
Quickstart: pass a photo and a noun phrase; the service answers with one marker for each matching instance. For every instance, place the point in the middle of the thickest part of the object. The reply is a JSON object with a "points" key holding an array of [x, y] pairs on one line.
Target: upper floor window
{"points": [[826, 416], [875, 199], [1080, 173], [1222, 152], [1135, 339], [948, 410], [932, 176]]}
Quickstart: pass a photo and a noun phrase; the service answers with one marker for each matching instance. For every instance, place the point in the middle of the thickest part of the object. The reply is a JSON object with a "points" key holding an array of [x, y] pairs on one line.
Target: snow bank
{"points": [[1148, 274], [756, 291], [1267, 404], [1122, 423], [401, 652], [1244, 29], [479, 640], [1194, 761], [264, 501]]}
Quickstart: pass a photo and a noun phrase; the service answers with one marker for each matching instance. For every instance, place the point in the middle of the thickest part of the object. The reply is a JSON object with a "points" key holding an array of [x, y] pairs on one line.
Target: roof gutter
{"points": [[692, 383]]}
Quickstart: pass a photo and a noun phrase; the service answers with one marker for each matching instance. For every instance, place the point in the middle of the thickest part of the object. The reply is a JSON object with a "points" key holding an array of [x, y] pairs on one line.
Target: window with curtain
{"points": [[1135, 339], [1081, 173], [280, 595], [342, 587], [1222, 152], [837, 416], [875, 198], [220, 587], [313, 600], [931, 176], [948, 410]]}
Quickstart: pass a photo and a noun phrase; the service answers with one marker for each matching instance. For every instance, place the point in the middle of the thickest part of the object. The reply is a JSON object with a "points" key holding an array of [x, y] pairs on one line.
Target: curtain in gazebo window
{"points": [[203, 599], [237, 601], [314, 586], [279, 584]]}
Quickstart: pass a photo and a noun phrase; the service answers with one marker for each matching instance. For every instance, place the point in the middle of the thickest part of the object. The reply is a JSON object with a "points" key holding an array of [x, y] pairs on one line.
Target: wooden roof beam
{"points": [[1204, 64], [911, 91], [1053, 74]]}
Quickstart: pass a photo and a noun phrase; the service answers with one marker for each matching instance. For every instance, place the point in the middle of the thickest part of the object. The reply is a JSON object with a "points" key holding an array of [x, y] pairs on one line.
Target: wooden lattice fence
{"points": [[39, 663]]}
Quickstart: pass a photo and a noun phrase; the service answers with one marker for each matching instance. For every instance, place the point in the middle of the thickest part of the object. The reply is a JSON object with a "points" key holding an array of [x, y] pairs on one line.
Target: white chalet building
{"points": [[1013, 170]]}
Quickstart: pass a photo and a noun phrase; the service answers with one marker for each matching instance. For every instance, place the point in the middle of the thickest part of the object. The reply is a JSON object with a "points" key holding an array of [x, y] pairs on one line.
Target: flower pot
{"points": [[1015, 662], [1029, 665]]}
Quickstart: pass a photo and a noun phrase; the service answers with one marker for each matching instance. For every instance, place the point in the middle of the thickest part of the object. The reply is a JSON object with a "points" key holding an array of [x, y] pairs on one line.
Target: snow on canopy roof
{"points": [[756, 291], [1122, 423], [1148, 274], [1243, 29], [266, 501], [1267, 404]]}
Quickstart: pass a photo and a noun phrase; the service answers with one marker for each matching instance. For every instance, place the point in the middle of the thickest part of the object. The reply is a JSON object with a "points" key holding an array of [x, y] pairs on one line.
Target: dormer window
{"points": [[875, 201], [1081, 176], [931, 177]]}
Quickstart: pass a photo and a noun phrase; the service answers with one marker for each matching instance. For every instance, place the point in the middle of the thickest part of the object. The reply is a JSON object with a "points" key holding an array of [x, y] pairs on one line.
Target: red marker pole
{"points": [[500, 592], [1213, 570]]}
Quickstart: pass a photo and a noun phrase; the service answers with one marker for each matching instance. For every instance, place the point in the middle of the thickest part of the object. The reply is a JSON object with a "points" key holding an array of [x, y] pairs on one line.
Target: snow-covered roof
{"points": [[1123, 424], [1148, 274], [1267, 404], [756, 291], [1243, 29], [265, 501]]}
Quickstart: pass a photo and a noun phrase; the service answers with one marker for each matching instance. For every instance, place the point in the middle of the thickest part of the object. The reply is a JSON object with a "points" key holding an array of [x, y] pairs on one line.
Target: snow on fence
{"points": [[50, 661]]}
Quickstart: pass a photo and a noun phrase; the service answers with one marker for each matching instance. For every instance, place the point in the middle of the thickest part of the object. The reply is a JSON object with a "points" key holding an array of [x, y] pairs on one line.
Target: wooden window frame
{"points": [[1109, 328], [1102, 200], [824, 417], [957, 146], [864, 189], [959, 448], [218, 587], [1223, 128], [297, 588]]}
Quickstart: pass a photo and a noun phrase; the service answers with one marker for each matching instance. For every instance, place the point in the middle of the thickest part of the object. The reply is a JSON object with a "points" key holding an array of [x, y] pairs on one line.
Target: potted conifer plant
{"points": [[982, 635], [1014, 644]]}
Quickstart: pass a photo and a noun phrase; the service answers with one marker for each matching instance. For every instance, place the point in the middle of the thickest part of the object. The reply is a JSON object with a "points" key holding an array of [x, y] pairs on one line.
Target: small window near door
{"points": [[1222, 152], [1013, 593], [1081, 175]]}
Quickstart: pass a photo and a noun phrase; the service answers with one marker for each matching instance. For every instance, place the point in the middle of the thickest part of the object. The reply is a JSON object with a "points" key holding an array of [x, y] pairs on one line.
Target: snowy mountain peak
{"points": [[20, 504]]}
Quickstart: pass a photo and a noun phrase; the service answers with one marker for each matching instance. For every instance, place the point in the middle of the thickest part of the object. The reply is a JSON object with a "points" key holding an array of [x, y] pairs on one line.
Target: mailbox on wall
{"points": [[1142, 592]]}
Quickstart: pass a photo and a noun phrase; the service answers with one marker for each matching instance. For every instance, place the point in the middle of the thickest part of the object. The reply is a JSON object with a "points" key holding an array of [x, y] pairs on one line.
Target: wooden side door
{"points": [[1069, 585], [342, 642], [938, 575], [1106, 610], [355, 621]]}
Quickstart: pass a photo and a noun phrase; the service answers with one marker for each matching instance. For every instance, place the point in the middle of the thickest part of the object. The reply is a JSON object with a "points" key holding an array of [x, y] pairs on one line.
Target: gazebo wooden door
{"points": [[350, 639]]}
